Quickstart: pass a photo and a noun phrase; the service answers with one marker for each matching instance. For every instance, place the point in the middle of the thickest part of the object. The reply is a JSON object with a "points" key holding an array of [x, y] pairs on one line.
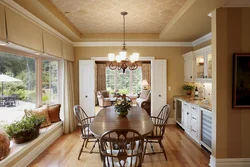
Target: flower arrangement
{"points": [[188, 89], [122, 106]]}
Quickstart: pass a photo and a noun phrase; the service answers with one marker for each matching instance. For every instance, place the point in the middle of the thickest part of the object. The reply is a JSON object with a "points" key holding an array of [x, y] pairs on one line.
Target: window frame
{"points": [[130, 82], [38, 68]]}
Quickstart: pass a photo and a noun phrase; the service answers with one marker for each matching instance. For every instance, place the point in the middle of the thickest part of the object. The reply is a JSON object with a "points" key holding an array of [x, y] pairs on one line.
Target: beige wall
{"points": [[173, 55], [232, 137]]}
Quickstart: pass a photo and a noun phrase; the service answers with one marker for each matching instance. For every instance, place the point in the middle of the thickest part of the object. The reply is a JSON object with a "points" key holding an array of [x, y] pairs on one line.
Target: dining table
{"points": [[107, 119]]}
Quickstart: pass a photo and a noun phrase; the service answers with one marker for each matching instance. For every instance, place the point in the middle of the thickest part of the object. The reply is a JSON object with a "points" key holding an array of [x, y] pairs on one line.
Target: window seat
{"points": [[24, 154]]}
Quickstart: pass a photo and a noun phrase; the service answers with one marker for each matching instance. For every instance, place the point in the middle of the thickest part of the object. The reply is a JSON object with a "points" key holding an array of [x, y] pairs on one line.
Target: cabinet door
{"points": [[200, 67], [189, 69], [208, 72]]}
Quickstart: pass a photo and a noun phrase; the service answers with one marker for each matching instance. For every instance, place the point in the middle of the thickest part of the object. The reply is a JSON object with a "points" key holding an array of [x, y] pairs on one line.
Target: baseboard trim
{"points": [[229, 162], [171, 121]]}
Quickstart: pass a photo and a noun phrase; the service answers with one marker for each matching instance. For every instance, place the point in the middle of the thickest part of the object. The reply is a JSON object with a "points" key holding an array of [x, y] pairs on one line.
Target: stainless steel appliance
{"points": [[178, 112], [206, 128]]}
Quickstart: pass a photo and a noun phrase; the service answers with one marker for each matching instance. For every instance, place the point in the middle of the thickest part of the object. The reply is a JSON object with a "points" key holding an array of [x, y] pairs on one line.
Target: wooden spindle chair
{"points": [[84, 122], [156, 136], [121, 148]]}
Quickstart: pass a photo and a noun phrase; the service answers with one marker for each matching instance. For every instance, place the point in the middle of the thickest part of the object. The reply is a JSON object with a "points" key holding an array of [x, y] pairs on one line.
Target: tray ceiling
{"points": [[103, 16]]}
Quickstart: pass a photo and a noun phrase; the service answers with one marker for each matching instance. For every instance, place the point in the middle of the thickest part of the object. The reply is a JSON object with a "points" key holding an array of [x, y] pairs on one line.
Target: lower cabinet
{"points": [[195, 120]]}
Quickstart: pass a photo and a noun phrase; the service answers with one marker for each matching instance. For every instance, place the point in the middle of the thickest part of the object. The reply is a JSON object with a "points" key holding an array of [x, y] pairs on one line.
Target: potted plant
{"points": [[122, 106], [188, 89], [25, 129]]}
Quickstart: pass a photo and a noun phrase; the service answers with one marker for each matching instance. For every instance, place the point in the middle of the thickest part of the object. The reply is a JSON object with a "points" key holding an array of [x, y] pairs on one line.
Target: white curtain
{"points": [[68, 98]]}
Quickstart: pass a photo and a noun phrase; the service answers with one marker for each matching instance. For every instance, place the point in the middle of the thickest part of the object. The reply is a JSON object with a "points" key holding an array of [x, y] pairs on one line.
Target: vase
{"points": [[122, 113], [4, 144], [189, 92]]}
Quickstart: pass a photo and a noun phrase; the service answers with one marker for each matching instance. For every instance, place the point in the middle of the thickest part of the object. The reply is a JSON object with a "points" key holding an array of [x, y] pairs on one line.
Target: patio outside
{"points": [[18, 85]]}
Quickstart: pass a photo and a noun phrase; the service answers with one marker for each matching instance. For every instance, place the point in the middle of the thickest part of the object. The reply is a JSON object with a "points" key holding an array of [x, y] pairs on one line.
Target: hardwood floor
{"points": [[181, 151]]}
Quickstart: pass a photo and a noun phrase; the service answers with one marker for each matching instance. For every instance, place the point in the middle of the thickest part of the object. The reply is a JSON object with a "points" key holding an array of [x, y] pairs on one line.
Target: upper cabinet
{"points": [[198, 65], [188, 67], [203, 64]]}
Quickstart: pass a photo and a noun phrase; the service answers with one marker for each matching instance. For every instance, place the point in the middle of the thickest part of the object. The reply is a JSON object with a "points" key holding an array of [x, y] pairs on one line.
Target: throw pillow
{"points": [[144, 94], [42, 111], [54, 113]]}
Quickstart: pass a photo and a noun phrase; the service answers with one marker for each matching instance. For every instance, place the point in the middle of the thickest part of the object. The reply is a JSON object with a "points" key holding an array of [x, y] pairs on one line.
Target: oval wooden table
{"points": [[107, 119]]}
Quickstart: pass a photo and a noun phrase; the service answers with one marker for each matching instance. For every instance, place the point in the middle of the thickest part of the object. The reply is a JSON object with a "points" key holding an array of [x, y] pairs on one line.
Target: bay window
{"points": [[20, 84]]}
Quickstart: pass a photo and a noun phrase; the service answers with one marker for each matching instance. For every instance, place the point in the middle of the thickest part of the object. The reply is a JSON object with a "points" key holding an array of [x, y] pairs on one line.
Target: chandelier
{"points": [[121, 61]]}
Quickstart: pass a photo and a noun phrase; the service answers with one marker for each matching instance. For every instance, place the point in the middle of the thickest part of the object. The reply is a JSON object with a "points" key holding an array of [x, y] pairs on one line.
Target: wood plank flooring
{"points": [[181, 151]]}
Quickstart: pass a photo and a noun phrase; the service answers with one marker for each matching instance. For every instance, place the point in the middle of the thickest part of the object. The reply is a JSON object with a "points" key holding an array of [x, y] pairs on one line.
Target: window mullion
{"points": [[131, 83], [39, 82], [115, 80]]}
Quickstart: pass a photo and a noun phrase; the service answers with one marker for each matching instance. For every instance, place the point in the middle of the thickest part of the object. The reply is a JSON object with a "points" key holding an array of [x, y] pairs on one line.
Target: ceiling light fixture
{"points": [[121, 61]]}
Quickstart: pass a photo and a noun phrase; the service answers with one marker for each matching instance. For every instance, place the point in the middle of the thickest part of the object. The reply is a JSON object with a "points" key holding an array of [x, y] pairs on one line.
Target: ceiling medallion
{"points": [[120, 61]]}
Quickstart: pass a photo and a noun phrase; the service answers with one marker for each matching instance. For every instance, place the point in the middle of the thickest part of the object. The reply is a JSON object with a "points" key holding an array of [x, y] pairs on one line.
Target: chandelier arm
{"points": [[112, 66]]}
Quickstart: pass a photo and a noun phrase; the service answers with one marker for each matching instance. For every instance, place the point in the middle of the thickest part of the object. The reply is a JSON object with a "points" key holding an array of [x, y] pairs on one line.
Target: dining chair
{"points": [[84, 122], [121, 148], [156, 136]]}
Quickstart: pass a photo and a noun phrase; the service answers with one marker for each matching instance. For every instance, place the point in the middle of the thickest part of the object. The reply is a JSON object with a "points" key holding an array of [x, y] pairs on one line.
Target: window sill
{"points": [[23, 154]]}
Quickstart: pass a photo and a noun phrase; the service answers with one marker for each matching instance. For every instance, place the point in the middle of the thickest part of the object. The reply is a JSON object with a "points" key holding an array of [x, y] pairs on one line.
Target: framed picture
{"points": [[241, 80]]}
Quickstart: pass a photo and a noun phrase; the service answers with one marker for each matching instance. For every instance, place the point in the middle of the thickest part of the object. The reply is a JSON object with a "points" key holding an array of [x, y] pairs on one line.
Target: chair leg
{"points": [[163, 150], [86, 143], [144, 151], [152, 148], [91, 151], [81, 149]]}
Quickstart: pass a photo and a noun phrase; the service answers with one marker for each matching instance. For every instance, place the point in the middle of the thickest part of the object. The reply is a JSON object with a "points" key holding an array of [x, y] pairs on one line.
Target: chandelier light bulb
{"points": [[111, 56], [132, 58], [136, 56], [123, 55], [118, 58]]}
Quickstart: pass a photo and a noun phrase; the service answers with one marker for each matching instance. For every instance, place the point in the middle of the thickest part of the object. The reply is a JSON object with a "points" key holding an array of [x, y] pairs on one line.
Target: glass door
{"points": [[209, 65], [199, 67]]}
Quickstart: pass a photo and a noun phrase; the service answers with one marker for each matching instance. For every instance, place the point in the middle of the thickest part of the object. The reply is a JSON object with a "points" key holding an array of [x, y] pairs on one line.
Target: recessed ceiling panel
{"points": [[103, 16]]}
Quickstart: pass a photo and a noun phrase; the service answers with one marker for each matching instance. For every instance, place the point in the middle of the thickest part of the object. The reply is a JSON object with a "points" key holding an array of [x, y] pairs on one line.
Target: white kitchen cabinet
{"points": [[185, 116], [194, 122], [203, 64], [188, 67]]}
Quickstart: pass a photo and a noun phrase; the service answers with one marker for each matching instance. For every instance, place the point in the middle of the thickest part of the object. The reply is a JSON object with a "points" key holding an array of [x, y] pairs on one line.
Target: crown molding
{"points": [[159, 44], [17, 8], [202, 39]]}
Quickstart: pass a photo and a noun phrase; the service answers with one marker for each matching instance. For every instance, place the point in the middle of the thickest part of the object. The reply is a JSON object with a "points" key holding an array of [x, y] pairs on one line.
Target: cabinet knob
{"points": [[86, 96], [159, 95], [205, 76], [187, 113], [191, 77]]}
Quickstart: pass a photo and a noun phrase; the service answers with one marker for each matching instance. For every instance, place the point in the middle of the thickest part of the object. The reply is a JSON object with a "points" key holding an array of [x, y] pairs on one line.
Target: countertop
{"points": [[190, 99]]}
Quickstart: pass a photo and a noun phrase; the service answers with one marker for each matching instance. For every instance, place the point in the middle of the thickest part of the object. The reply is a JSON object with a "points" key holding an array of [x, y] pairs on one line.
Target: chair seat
{"points": [[116, 161], [87, 132]]}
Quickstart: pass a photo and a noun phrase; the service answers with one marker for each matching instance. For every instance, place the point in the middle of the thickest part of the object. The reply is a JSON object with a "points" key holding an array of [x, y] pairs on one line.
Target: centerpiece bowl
{"points": [[122, 105]]}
